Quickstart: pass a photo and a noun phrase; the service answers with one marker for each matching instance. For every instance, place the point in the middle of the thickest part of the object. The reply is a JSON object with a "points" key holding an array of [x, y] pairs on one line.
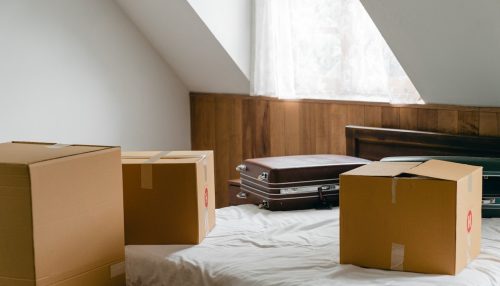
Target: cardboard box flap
{"points": [[34, 152], [162, 157], [382, 169], [443, 170]]}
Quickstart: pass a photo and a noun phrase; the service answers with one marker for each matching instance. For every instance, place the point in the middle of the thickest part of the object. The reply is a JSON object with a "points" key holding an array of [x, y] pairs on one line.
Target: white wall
{"points": [[80, 72], [449, 48], [187, 45], [231, 23]]}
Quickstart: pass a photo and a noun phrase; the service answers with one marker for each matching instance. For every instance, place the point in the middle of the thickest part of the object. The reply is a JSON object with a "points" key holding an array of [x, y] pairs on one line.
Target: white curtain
{"points": [[324, 49]]}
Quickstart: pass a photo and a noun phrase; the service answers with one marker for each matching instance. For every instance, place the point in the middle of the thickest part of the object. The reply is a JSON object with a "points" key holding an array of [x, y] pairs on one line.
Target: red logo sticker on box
{"points": [[469, 221], [206, 197]]}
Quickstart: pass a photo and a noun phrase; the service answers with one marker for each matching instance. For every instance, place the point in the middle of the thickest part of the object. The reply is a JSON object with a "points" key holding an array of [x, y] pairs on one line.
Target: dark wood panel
{"points": [[307, 122], [292, 130], [408, 118], [489, 124], [390, 117], [323, 127], [468, 122], [277, 122], [356, 114], [224, 120], [238, 127], [377, 143], [203, 123], [427, 119], [447, 121], [256, 128], [338, 119], [373, 116]]}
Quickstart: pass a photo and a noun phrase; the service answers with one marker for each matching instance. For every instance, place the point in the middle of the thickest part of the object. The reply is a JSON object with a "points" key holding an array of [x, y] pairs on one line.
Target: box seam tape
{"points": [[397, 256], [117, 269], [147, 170], [58, 146], [393, 190]]}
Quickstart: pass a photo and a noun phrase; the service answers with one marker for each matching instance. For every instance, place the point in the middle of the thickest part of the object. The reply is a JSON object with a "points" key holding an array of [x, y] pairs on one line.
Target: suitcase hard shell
{"points": [[491, 177], [294, 182]]}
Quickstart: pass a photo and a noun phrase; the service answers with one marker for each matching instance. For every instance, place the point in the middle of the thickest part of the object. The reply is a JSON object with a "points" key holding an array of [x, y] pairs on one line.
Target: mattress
{"points": [[251, 246]]}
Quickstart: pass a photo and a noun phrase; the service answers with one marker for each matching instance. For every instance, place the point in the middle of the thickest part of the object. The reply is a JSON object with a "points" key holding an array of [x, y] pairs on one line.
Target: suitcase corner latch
{"points": [[264, 205], [241, 195], [264, 176], [241, 168]]}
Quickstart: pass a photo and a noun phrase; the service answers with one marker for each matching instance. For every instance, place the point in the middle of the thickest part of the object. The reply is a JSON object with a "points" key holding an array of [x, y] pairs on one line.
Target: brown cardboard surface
{"points": [[101, 276], [28, 153], [60, 217], [16, 239], [442, 170], [468, 243], [383, 169], [164, 197], [424, 217]]}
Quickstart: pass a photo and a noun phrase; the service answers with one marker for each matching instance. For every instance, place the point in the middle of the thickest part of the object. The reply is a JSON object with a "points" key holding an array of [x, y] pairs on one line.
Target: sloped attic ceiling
{"points": [[187, 45], [449, 48]]}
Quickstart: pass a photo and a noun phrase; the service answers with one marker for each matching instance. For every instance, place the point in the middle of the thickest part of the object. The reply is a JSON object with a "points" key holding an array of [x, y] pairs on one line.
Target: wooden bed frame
{"points": [[376, 143]]}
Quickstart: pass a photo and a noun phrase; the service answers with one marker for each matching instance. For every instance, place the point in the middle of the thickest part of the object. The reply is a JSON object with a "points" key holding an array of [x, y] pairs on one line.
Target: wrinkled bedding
{"points": [[251, 246]]}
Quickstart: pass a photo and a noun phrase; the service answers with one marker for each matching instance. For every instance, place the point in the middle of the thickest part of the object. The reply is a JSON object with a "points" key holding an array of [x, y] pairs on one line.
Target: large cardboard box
{"points": [[169, 197], [61, 215], [410, 216]]}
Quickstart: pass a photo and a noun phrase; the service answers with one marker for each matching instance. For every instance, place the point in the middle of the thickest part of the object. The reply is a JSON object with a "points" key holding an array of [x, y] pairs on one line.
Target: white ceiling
{"points": [[449, 48], [231, 23], [187, 45]]}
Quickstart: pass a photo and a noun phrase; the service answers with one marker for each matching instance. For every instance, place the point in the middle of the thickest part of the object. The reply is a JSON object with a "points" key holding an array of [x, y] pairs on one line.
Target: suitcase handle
{"points": [[489, 201], [241, 168], [241, 195]]}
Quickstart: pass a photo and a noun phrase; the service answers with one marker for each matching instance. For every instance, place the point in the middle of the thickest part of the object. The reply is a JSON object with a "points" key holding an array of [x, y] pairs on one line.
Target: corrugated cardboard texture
{"points": [[468, 242], [16, 239], [27, 153], [443, 170], [100, 276], [65, 213], [382, 169], [164, 198], [423, 217]]}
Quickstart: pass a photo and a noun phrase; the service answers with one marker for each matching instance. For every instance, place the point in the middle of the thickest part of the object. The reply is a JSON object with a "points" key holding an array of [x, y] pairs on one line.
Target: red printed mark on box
{"points": [[469, 221], [206, 197]]}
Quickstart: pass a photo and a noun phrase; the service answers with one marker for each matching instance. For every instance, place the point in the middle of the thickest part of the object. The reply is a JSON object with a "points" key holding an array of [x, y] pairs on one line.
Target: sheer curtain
{"points": [[324, 49]]}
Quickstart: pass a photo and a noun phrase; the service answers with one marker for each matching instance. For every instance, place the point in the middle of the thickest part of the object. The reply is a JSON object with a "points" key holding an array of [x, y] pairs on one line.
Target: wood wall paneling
{"points": [[292, 129], [468, 122], [447, 121], [390, 117], [338, 115], [373, 116], [489, 124], [427, 119], [408, 118], [237, 127]]}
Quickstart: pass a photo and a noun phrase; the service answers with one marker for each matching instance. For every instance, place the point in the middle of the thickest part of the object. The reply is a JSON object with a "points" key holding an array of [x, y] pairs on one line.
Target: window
{"points": [[324, 49]]}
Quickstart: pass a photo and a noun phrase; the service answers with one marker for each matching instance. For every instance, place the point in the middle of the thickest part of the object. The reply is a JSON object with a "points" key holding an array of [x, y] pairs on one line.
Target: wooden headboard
{"points": [[376, 143]]}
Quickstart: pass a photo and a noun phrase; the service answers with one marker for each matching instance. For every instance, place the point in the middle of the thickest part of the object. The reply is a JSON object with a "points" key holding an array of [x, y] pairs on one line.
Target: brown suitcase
{"points": [[294, 182]]}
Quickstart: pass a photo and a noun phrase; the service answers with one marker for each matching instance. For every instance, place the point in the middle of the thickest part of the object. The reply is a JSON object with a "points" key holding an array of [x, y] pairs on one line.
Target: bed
{"points": [[251, 246]]}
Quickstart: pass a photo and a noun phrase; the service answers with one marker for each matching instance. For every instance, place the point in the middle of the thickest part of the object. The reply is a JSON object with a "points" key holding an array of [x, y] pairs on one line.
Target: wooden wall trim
{"points": [[237, 127]]}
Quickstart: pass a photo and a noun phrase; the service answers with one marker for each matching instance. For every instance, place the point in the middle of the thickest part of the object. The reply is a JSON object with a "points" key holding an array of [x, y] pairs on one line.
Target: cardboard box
{"points": [[169, 197], [61, 215], [410, 216]]}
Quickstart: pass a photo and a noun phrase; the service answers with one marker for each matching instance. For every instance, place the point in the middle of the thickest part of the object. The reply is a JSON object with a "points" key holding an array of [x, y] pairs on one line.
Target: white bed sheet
{"points": [[250, 246]]}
